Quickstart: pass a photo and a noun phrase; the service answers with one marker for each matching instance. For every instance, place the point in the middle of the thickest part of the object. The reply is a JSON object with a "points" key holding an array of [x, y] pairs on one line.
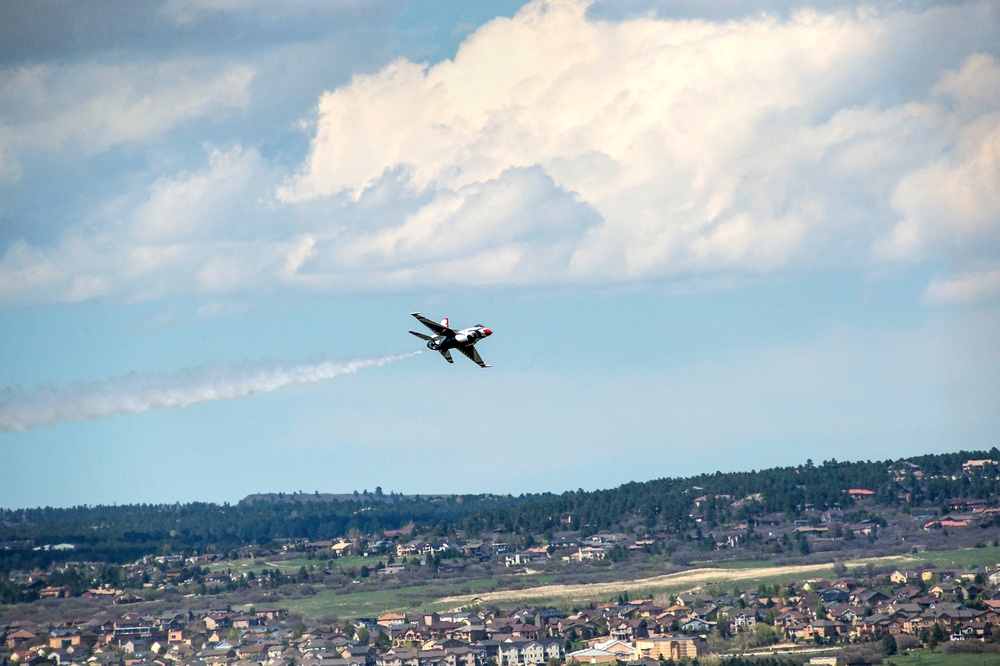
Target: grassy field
{"points": [[966, 557], [342, 563], [375, 602], [735, 564], [359, 604], [286, 566], [656, 587], [356, 561], [724, 578], [537, 589], [928, 658]]}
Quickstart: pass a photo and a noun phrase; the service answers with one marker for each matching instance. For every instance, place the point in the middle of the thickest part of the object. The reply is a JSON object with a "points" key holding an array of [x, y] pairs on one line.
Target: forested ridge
{"points": [[928, 480], [124, 533]]}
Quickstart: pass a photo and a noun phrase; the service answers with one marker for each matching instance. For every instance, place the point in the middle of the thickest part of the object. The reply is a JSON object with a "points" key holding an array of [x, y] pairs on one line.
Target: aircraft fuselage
{"points": [[463, 338], [446, 338]]}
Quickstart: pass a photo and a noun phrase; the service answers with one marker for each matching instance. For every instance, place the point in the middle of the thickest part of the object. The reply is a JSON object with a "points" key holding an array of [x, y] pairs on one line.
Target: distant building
{"points": [[674, 647]]}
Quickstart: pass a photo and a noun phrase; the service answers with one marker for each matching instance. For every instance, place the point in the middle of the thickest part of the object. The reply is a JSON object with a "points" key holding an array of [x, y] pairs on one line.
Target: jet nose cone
{"points": [[487, 331]]}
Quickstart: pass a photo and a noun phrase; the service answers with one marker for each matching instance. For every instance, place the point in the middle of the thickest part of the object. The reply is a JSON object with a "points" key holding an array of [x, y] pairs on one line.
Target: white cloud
{"points": [[703, 146], [202, 231], [517, 228], [972, 90], [90, 108], [952, 204], [967, 288], [92, 267], [554, 148], [219, 199], [63, 273], [950, 207]]}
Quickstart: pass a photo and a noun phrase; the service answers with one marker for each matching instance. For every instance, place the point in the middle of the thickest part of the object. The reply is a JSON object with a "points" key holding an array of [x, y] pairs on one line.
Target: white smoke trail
{"points": [[135, 393]]}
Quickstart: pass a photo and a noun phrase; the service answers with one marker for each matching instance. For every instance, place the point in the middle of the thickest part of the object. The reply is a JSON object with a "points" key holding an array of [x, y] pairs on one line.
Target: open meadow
{"points": [[927, 657], [536, 589]]}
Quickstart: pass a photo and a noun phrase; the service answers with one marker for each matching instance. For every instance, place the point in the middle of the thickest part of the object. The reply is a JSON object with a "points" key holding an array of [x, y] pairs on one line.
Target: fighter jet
{"points": [[445, 338]]}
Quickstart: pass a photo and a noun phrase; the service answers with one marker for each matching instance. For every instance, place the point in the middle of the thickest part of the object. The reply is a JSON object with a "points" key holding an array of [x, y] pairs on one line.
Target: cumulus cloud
{"points": [[516, 228], [558, 146], [89, 108], [953, 202], [204, 231], [204, 204], [735, 145]]}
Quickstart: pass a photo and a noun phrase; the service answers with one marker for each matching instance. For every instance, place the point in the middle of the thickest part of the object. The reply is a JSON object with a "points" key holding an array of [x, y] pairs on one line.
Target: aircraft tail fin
{"points": [[444, 322]]}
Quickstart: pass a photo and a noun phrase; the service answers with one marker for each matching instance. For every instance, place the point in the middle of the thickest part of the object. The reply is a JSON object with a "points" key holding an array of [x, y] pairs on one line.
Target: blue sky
{"points": [[707, 238]]}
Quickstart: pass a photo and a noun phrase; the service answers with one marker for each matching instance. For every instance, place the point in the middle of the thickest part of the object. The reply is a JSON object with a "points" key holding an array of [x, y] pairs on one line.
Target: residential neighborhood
{"points": [[919, 606], [434, 585]]}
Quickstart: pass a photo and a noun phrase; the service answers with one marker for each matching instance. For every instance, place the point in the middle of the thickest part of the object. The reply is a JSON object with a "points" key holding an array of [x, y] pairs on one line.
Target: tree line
{"points": [[120, 534]]}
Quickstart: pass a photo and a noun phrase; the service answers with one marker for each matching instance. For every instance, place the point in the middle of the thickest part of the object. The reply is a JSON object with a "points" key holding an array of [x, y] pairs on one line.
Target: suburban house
{"points": [[674, 647]]}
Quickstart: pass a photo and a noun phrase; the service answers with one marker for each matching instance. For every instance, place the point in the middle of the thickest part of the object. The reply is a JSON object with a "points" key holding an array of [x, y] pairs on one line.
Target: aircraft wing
{"points": [[473, 355], [433, 325]]}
